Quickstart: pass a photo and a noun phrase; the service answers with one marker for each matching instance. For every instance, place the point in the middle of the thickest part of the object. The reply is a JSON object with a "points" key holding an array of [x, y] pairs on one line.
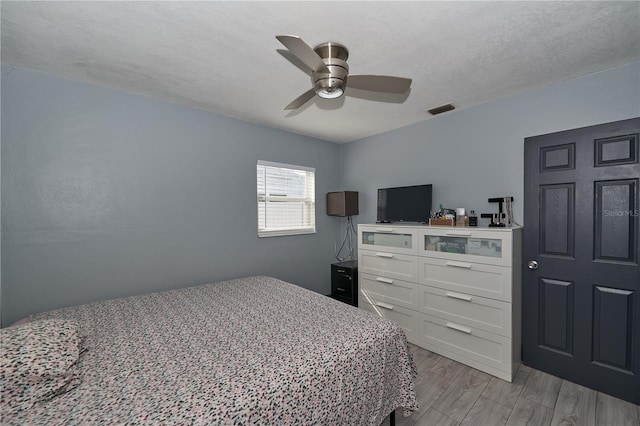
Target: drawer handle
{"points": [[341, 289], [459, 327], [384, 280], [458, 296], [460, 234], [340, 270], [386, 306], [459, 264], [384, 229], [387, 255]]}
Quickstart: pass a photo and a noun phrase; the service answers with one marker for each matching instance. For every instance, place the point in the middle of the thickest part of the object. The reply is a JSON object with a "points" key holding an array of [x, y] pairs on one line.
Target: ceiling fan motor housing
{"points": [[331, 84]]}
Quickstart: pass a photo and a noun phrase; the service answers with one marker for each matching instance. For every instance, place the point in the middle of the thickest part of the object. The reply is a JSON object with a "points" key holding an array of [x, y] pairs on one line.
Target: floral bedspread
{"points": [[251, 351]]}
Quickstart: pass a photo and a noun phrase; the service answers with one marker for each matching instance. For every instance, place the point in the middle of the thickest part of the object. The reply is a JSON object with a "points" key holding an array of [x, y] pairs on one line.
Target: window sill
{"points": [[285, 232]]}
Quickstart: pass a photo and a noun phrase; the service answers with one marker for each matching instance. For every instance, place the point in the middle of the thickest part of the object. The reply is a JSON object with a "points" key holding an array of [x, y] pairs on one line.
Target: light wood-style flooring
{"points": [[451, 394]]}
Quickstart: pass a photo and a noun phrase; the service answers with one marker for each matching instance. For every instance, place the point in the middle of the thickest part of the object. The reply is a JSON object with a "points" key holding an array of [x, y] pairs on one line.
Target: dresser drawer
{"points": [[342, 286], [391, 290], [467, 244], [478, 279], [406, 318], [388, 238], [386, 264], [469, 310], [457, 341]]}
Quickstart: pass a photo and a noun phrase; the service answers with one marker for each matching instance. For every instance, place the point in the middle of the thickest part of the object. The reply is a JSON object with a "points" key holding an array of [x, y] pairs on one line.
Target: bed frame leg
{"points": [[392, 418]]}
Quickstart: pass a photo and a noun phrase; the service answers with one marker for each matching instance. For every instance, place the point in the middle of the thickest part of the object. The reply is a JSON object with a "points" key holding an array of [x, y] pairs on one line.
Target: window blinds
{"points": [[286, 199]]}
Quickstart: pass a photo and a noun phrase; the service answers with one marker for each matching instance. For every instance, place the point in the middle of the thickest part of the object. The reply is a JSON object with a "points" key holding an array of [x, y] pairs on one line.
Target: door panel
{"points": [[557, 157], [613, 314], [556, 315], [615, 235], [556, 219], [617, 150], [581, 319]]}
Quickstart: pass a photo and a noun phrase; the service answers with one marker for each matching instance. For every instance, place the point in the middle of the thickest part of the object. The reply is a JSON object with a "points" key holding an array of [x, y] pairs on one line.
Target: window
{"points": [[286, 199]]}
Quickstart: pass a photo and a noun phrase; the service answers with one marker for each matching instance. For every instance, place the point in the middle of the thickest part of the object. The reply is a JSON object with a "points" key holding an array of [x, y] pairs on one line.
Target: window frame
{"points": [[310, 200]]}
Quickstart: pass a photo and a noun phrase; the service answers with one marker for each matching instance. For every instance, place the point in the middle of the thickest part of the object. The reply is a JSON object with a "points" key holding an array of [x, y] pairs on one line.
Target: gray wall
{"points": [[477, 153], [107, 194]]}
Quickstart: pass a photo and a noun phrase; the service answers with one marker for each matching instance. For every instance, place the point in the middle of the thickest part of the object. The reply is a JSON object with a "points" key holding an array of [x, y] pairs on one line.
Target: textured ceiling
{"points": [[223, 56]]}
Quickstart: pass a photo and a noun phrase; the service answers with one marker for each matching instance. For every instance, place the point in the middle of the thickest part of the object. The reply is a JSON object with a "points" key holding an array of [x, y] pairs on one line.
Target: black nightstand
{"points": [[344, 281]]}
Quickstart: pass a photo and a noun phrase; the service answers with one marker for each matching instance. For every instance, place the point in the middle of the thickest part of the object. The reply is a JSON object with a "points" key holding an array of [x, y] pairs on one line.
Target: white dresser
{"points": [[455, 291]]}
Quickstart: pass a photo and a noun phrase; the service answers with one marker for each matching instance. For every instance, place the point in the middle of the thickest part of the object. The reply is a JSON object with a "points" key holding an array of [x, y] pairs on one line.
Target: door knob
{"points": [[533, 265]]}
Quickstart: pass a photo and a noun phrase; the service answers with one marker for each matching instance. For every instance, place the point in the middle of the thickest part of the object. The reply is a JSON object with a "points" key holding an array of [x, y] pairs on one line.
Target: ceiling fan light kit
{"points": [[329, 71], [329, 88]]}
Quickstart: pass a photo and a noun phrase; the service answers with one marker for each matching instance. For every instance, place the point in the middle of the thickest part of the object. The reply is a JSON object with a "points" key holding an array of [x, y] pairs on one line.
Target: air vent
{"points": [[441, 109]]}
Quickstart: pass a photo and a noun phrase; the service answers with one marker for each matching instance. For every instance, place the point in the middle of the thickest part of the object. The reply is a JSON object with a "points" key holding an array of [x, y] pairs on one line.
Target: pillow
{"points": [[37, 362]]}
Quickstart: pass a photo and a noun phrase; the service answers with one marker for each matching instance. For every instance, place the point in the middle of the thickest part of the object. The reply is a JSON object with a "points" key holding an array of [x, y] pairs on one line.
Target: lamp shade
{"points": [[343, 203]]}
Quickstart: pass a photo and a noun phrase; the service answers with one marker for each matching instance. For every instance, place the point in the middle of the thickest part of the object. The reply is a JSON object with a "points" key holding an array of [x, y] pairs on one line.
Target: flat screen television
{"points": [[404, 204]]}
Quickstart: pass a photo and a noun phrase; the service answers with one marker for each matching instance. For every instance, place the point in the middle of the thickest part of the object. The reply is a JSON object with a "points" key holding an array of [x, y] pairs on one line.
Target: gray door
{"points": [[581, 278]]}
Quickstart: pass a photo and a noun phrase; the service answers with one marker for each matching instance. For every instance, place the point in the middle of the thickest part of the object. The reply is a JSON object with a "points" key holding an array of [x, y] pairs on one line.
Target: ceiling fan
{"points": [[329, 71]]}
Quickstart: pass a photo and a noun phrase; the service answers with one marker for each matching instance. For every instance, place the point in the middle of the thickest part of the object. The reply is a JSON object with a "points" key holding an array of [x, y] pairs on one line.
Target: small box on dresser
{"points": [[455, 291]]}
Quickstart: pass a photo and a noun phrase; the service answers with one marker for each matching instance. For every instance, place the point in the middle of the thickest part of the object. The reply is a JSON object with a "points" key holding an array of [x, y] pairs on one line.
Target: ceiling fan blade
{"points": [[303, 52], [379, 83], [286, 53], [301, 100]]}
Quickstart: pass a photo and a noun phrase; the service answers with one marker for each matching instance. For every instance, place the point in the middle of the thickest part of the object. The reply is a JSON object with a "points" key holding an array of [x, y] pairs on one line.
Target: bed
{"points": [[252, 351]]}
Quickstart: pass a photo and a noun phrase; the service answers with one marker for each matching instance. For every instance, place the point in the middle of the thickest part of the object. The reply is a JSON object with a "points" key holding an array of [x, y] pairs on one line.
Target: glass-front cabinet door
{"points": [[395, 239], [470, 245]]}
